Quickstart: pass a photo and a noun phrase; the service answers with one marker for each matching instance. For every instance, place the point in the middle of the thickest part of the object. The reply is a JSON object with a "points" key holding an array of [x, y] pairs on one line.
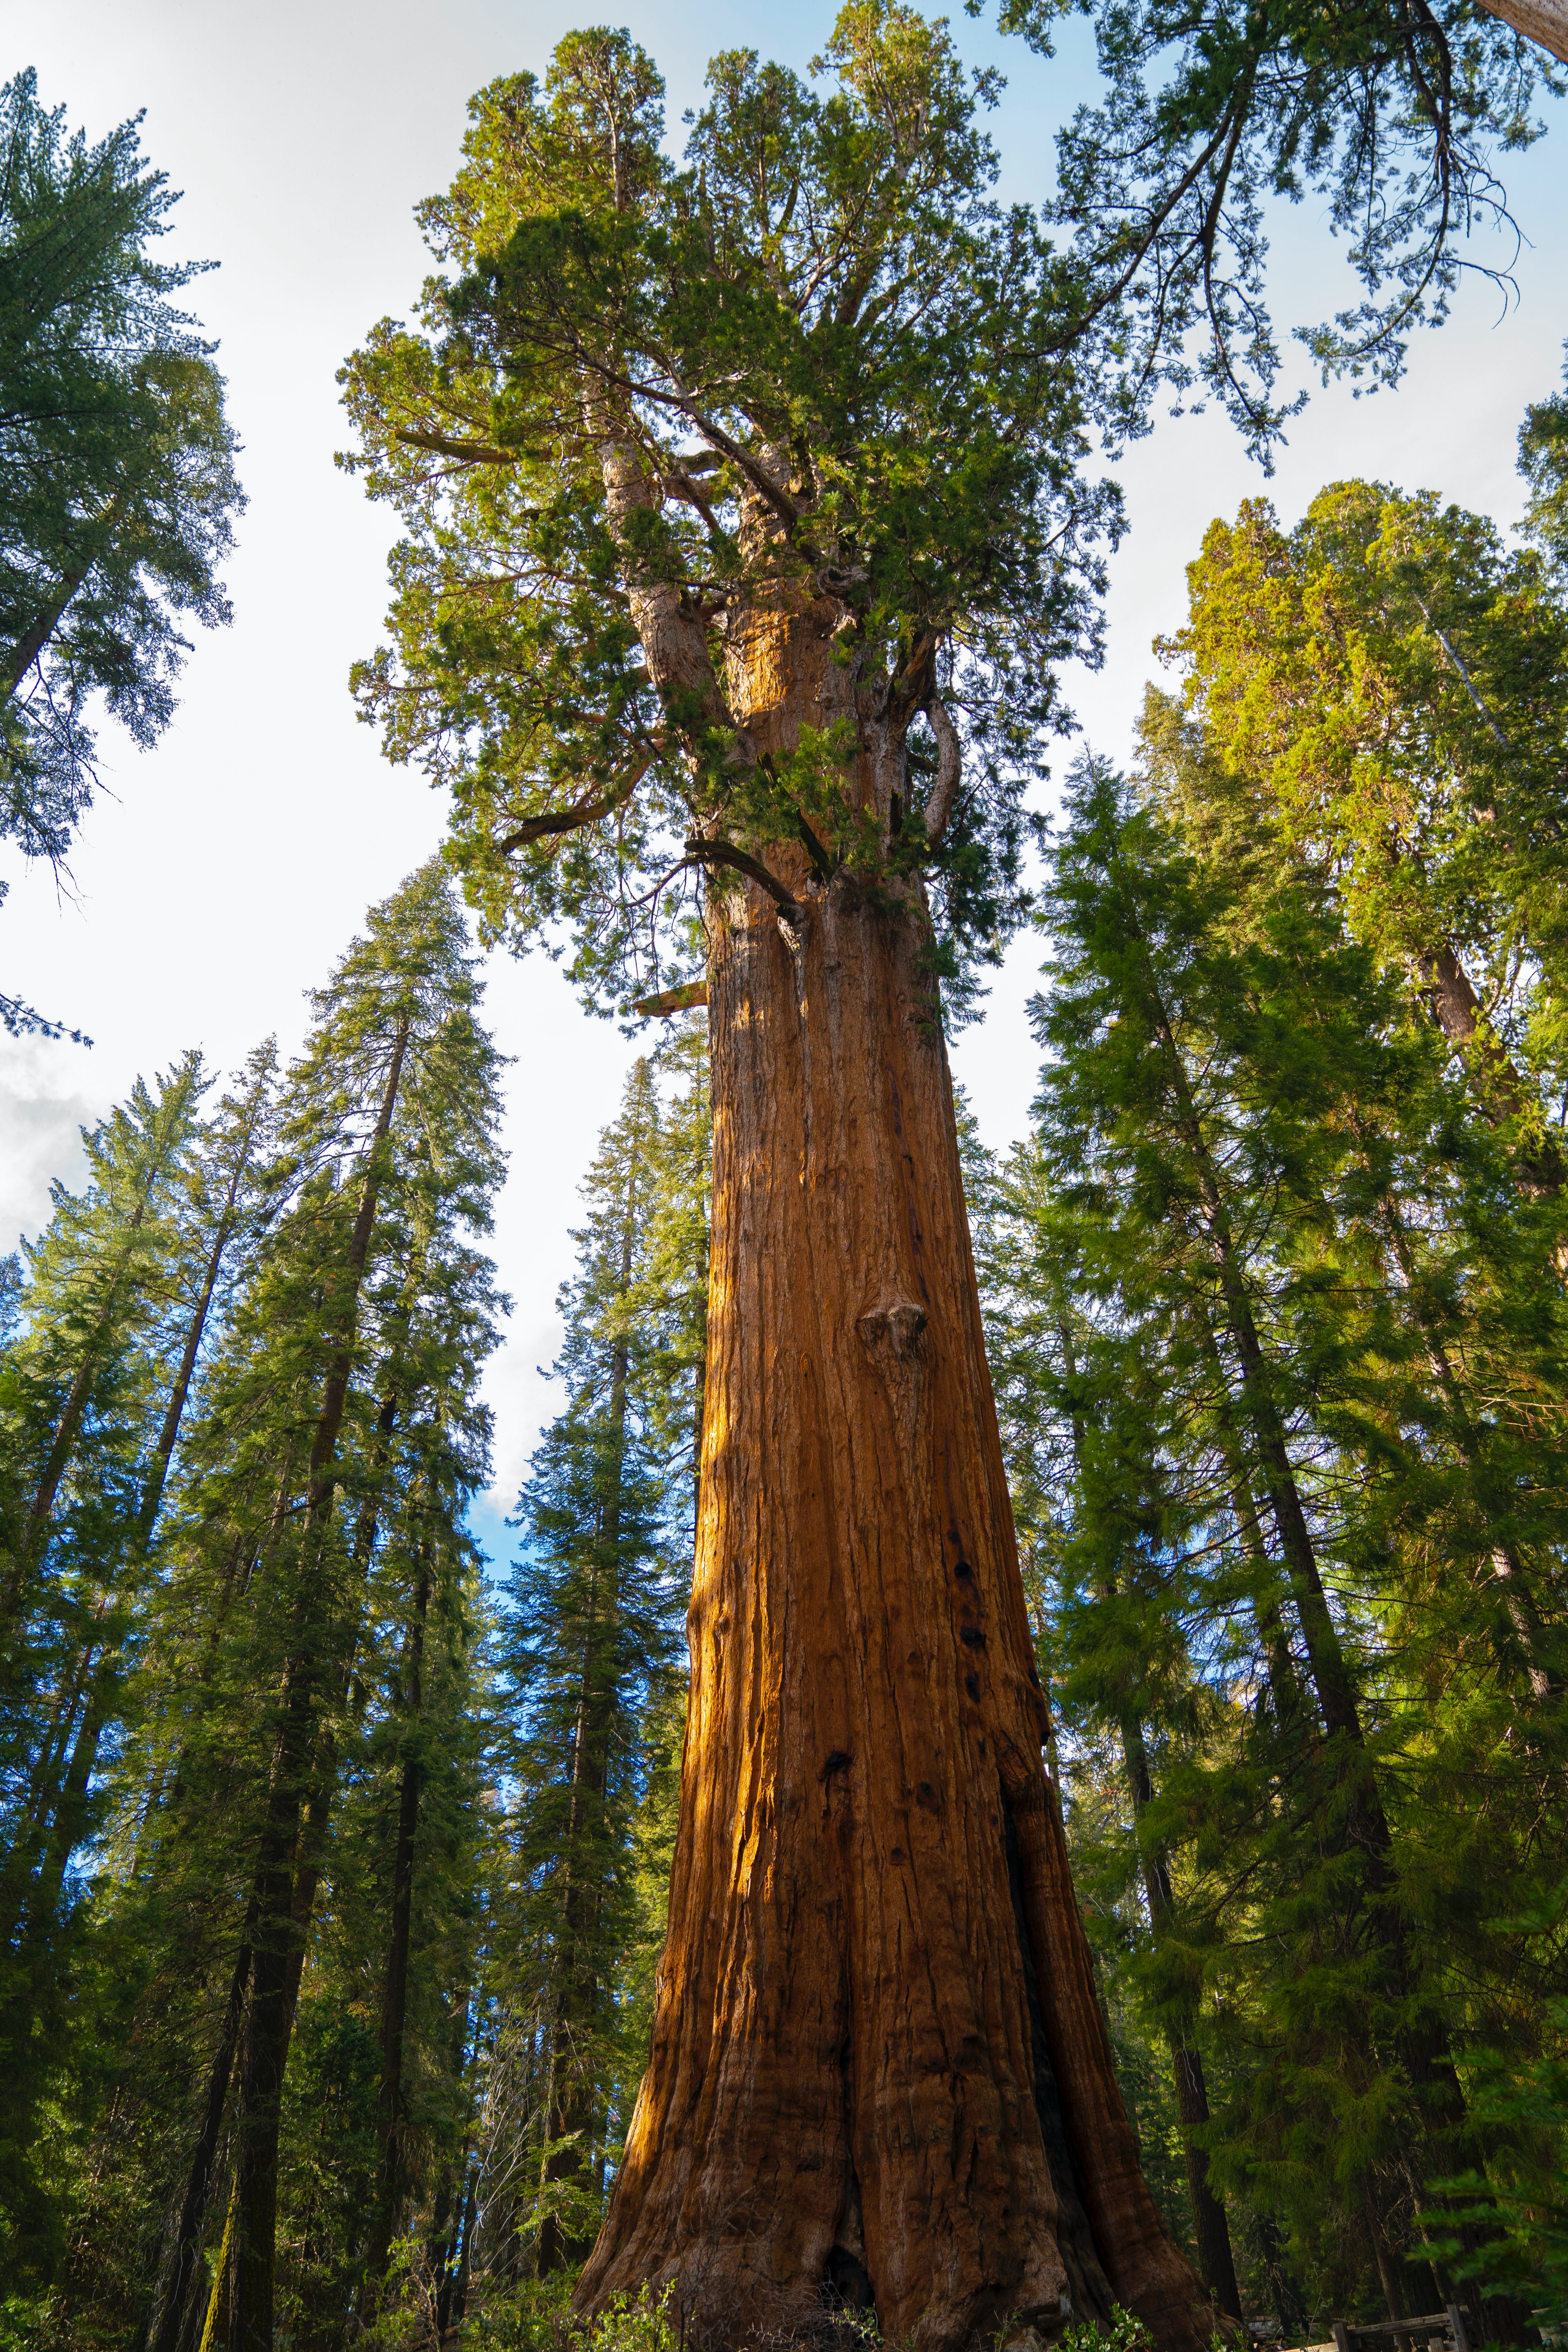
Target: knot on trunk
{"points": [[895, 1331], [893, 1335]]}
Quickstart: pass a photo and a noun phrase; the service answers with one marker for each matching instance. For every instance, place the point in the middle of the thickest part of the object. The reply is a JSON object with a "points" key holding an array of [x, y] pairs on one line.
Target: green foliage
{"points": [[533, 2317], [594, 1700], [1392, 122], [889, 379], [1383, 690], [1528, 2110], [116, 466], [259, 1259], [1125, 2333], [1280, 1370], [1544, 462]]}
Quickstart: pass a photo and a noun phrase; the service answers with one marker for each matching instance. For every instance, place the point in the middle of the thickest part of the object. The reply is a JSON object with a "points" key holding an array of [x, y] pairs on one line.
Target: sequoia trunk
{"points": [[878, 2066], [1542, 21]]}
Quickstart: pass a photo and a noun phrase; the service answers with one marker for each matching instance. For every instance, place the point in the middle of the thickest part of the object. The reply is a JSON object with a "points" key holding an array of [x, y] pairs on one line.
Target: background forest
{"points": [[332, 1857]]}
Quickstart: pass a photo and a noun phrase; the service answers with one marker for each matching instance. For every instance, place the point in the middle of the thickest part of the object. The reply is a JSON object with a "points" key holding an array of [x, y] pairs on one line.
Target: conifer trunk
{"points": [[316, 1809], [1211, 2227], [1544, 21], [573, 2091], [1421, 2043], [394, 1996], [40, 1510], [162, 1453], [64, 1805], [270, 2016], [878, 2066], [180, 2264]]}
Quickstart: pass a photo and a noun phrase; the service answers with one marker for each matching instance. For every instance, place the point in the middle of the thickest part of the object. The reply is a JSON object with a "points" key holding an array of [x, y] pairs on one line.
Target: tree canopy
{"points": [[117, 478], [652, 406], [1393, 119]]}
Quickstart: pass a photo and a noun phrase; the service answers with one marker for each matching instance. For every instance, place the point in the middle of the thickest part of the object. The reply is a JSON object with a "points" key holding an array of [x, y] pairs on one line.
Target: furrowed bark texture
{"points": [[1544, 21], [878, 2066]]}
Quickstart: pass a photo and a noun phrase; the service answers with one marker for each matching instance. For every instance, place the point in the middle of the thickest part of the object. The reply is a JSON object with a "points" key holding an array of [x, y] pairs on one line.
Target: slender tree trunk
{"points": [[1422, 2045], [36, 1812], [1210, 2225], [1260, 1408], [573, 2098], [389, 2120], [316, 1812], [70, 1806], [218, 2329], [455, 2302], [878, 2056], [65, 1809], [1266, 1594], [181, 2259], [35, 1526], [266, 2046], [158, 1470]]}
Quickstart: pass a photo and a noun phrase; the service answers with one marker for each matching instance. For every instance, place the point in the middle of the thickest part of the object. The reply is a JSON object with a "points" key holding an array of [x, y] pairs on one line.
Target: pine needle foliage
{"points": [[1282, 1387]]}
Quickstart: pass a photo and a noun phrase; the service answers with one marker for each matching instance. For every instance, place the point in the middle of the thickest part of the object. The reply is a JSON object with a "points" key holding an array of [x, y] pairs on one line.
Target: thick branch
{"points": [[691, 998], [472, 453], [674, 642], [724, 853], [1501, 1087], [949, 767], [1493, 729], [581, 813], [15, 664]]}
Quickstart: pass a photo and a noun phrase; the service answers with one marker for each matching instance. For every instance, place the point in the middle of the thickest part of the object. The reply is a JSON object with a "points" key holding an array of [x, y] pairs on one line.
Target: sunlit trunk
{"points": [[879, 2068]]}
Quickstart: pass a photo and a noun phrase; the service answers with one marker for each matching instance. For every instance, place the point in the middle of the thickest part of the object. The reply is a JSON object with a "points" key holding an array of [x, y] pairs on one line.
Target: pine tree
{"points": [[355, 1335], [1384, 689], [116, 466], [1282, 1536], [84, 1376], [606, 1517]]}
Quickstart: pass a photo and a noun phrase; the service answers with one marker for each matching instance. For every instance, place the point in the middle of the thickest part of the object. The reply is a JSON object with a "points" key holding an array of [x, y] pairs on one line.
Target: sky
{"points": [[220, 875]]}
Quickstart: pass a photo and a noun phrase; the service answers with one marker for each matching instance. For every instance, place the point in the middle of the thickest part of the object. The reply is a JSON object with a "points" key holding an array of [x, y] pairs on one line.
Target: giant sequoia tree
{"points": [[744, 523]]}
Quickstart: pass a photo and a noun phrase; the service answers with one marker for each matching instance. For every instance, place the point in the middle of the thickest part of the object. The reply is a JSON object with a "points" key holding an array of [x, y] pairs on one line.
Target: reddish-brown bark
{"points": [[880, 2070], [879, 2061]]}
